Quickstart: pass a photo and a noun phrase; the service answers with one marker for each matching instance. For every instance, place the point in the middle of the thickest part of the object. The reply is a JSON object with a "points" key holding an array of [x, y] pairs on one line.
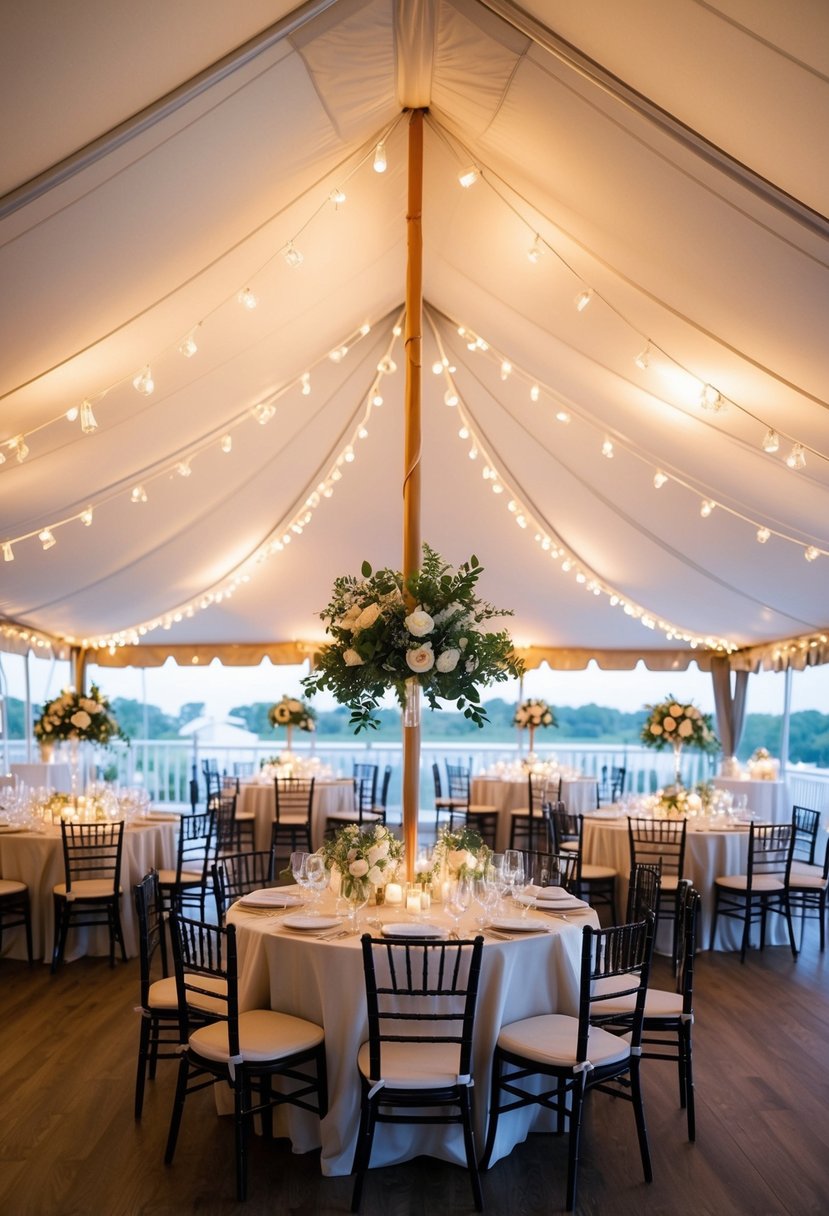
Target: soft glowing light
{"points": [[796, 458], [227, 443], [86, 517], [377, 399], [188, 347], [263, 412], [535, 392], [88, 421], [338, 354], [643, 359], [659, 479], [183, 468], [811, 554], [247, 299], [711, 399], [468, 177], [292, 255], [450, 397], [143, 383], [337, 196], [380, 161], [706, 507], [763, 535], [437, 367], [463, 433], [72, 413], [139, 494], [771, 441], [506, 369], [305, 381], [8, 552], [46, 538], [562, 416], [607, 449], [387, 365], [535, 250], [583, 299]]}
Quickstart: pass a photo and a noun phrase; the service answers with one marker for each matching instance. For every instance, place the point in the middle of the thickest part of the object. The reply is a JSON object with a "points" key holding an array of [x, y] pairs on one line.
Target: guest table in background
{"points": [[330, 796], [767, 800], [48, 776], [579, 795], [36, 858], [323, 981]]}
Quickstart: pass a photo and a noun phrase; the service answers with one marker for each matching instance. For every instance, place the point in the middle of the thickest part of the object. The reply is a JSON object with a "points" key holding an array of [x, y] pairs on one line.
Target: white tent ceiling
{"points": [[158, 159]]}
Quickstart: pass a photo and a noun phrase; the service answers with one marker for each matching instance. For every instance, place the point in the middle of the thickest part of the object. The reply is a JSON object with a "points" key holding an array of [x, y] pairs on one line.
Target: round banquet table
{"points": [[768, 800], [323, 981], [36, 858], [50, 776], [330, 796], [578, 794], [708, 855]]}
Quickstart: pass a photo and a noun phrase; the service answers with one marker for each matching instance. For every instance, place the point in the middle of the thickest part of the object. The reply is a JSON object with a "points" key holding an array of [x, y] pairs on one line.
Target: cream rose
{"points": [[668, 725], [81, 719], [447, 660], [656, 729], [347, 620], [367, 617], [422, 659], [675, 710], [377, 853], [375, 876], [419, 623], [352, 659], [358, 868], [686, 728]]}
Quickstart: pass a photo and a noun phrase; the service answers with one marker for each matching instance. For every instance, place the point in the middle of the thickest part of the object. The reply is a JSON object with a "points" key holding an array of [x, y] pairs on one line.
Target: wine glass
{"points": [[514, 870], [316, 877], [485, 893], [298, 864], [497, 876], [457, 903]]}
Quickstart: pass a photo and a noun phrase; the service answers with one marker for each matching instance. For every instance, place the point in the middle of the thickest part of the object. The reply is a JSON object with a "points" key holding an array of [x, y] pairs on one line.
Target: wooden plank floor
{"points": [[69, 1145]]}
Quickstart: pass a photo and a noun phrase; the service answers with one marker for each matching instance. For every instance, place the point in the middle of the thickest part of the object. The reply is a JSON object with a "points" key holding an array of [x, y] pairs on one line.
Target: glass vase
{"points": [[411, 708], [677, 762]]}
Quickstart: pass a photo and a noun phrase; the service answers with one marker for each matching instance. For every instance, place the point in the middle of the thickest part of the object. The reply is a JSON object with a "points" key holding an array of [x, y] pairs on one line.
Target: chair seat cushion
{"points": [[263, 1035], [596, 872], [551, 1038], [244, 816], [87, 888], [802, 869], [482, 808], [524, 811], [414, 1065], [292, 819], [570, 846], [163, 995], [189, 878], [10, 886], [669, 882], [808, 882], [739, 882]]}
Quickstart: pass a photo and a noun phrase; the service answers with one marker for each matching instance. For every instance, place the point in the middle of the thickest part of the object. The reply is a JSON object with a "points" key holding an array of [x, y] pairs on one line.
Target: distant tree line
{"points": [[808, 732]]}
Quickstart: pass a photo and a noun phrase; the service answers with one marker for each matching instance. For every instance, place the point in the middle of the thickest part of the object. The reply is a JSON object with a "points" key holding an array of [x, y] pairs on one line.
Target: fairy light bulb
{"points": [[763, 535], [143, 383], [583, 299], [263, 413], [463, 433], [88, 421], [337, 196], [659, 479], [377, 399], [562, 416], [796, 458], [711, 399], [437, 367], [811, 553], [8, 552], [450, 397], [305, 381], [227, 444], [380, 160], [506, 369], [706, 507], [643, 359], [72, 413], [607, 449], [365, 329], [292, 255], [534, 252], [139, 494], [247, 299], [338, 354], [387, 365], [188, 347], [468, 177], [86, 517], [535, 392], [183, 468], [46, 538], [771, 441]]}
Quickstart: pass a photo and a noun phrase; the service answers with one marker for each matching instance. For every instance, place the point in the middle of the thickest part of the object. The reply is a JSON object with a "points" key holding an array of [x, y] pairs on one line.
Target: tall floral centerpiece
{"points": [[439, 648], [532, 714], [672, 724], [290, 713], [78, 718]]}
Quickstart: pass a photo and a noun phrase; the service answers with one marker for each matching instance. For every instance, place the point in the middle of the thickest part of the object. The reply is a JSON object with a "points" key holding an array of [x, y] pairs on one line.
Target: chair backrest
{"points": [[204, 961], [196, 842], [421, 991], [658, 840], [237, 874], [615, 962], [457, 782], [92, 851], [436, 780], [806, 824], [384, 787], [152, 939], [293, 796], [770, 848], [617, 783], [551, 869], [643, 890], [567, 827], [540, 789], [229, 785], [224, 808], [366, 774], [688, 919]]}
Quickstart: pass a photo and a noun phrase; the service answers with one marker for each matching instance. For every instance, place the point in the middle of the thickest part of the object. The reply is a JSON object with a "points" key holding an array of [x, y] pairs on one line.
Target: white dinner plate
{"points": [[520, 924], [270, 897], [565, 903], [311, 922], [412, 929], [151, 818]]}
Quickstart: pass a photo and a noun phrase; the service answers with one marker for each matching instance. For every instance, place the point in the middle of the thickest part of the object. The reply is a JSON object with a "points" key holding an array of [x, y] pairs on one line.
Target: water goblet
{"points": [[298, 864], [514, 870], [457, 903], [316, 877]]}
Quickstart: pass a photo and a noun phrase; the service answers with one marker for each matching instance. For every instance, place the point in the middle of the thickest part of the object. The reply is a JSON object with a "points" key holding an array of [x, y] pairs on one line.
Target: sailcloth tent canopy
{"points": [[625, 373]]}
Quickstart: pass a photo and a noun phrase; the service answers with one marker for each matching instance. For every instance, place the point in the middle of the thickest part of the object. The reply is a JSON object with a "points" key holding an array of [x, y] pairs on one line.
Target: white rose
{"points": [[377, 853], [91, 707], [463, 643], [675, 710], [456, 858], [367, 617], [668, 725], [422, 659], [81, 719], [348, 618], [419, 623], [471, 664], [352, 659], [375, 876], [686, 728], [693, 802], [294, 706], [359, 868], [656, 729], [448, 659]]}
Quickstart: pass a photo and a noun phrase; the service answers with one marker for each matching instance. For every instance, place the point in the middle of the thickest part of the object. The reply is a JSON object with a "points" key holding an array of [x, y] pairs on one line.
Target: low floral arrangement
{"points": [[365, 858], [461, 853], [671, 724], [534, 713], [291, 712], [74, 715], [380, 644], [761, 766]]}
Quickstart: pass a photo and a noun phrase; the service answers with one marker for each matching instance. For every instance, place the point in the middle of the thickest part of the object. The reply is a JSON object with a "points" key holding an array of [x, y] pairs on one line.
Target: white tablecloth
{"points": [[323, 981], [329, 797], [579, 795], [37, 859], [708, 855], [769, 800], [51, 776]]}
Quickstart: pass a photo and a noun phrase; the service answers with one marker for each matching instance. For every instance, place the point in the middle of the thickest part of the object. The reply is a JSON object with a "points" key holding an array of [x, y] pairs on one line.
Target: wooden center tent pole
{"points": [[412, 455]]}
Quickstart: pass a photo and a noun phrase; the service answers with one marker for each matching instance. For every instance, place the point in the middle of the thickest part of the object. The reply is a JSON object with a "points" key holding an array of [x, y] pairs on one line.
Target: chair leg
{"points": [[686, 1066], [362, 1155], [746, 931], [178, 1109], [141, 1073], [713, 933], [639, 1114], [469, 1145], [61, 932], [241, 1102], [577, 1104], [792, 943], [494, 1110]]}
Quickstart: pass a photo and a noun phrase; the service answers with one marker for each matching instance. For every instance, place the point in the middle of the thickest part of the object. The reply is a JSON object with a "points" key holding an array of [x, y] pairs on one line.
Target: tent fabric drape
{"points": [[730, 704]]}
